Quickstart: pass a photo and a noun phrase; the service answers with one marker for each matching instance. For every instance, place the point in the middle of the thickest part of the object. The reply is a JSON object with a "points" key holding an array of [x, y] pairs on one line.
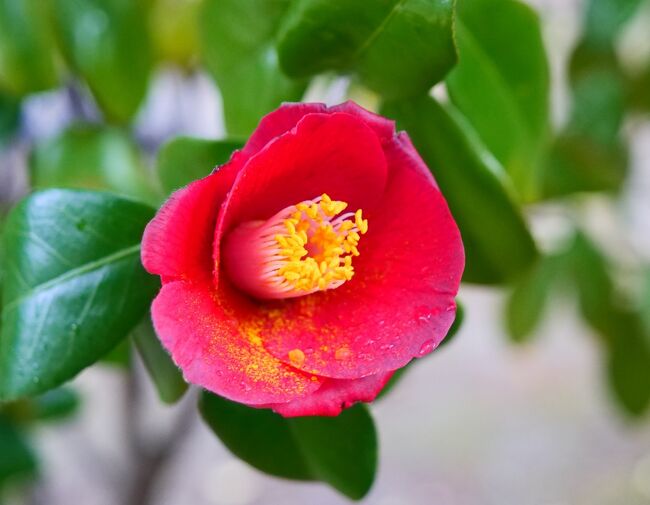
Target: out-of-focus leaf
{"points": [[26, 58], [237, 38], [527, 301], [628, 367], [74, 286], [9, 117], [645, 302], [17, 459], [576, 163], [590, 154], [119, 356], [106, 41], [498, 246], [341, 451], [163, 372], [638, 91], [174, 27], [621, 328], [398, 48], [184, 159], [501, 83], [55, 404], [89, 157], [260, 437], [604, 19], [596, 292]]}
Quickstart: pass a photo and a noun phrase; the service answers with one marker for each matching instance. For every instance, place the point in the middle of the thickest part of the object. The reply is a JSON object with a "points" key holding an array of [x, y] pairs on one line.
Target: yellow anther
{"points": [[316, 250]]}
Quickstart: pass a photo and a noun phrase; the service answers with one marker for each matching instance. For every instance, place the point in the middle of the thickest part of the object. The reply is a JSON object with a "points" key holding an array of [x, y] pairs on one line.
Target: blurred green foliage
{"points": [[488, 140]]}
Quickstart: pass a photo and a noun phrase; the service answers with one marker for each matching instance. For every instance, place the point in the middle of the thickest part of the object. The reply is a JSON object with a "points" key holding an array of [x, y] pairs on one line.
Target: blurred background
{"points": [[529, 404]]}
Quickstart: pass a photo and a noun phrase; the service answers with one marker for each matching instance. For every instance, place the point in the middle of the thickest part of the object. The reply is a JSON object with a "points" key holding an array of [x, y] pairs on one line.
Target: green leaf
{"points": [[74, 286], [498, 246], [341, 451], [638, 90], [17, 459], [165, 374], [501, 84], [628, 368], [243, 60], [620, 328], [174, 30], [9, 118], [106, 41], [185, 159], [55, 404], [26, 58], [91, 157], [399, 48], [260, 437], [604, 19], [645, 301], [119, 356], [577, 163], [527, 301]]}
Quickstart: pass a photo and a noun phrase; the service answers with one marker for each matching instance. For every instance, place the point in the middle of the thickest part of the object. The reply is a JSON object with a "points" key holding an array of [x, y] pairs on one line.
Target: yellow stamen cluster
{"points": [[315, 248]]}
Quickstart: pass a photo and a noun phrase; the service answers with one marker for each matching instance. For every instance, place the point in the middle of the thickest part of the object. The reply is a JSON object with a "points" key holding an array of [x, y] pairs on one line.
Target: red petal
{"points": [[177, 243], [384, 128], [278, 122], [335, 154], [216, 349], [400, 302], [334, 396]]}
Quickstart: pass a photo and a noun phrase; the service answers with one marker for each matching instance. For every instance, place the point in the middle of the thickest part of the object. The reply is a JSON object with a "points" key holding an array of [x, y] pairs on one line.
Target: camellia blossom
{"points": [[302, 273]]}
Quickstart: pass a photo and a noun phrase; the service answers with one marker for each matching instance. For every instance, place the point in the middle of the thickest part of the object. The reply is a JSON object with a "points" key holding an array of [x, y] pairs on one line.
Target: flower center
{"points": [[304, 248]]}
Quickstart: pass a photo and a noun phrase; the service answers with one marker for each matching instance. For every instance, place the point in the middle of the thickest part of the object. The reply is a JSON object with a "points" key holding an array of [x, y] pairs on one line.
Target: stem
{"points": [[148, 463]]}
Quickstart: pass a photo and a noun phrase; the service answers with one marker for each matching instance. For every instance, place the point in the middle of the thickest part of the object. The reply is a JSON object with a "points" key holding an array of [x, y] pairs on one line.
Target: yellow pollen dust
{"points": [[316, 247], [297, 357]]}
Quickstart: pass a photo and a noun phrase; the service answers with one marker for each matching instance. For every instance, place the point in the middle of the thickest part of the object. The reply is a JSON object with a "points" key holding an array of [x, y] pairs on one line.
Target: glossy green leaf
{"points": [[341, 451], [163, 372], [106, 41], [527, 301], [237, 38], [74, 286], [185, 159], [501, 83], [398, 48], [260, 437], [90, 157], [498, 246], [17, 459], [27, 61]]}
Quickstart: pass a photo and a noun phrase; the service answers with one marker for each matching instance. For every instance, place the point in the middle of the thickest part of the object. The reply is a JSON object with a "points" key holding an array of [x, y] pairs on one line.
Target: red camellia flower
{"points": [[299, 275]]}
